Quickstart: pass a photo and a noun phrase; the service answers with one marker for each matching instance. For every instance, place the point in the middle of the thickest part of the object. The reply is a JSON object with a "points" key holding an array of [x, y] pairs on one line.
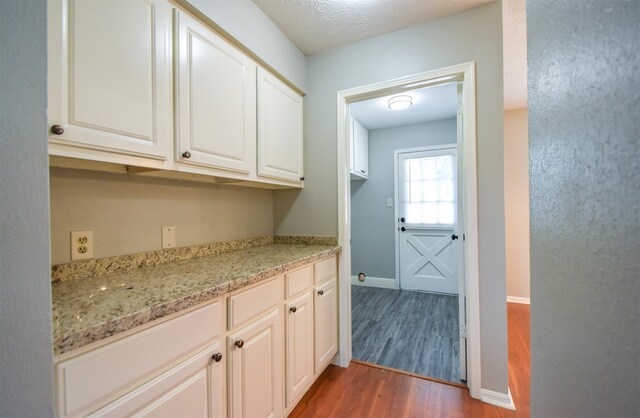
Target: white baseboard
{"points": [[375, 282], [518, 299], [498, 399]]}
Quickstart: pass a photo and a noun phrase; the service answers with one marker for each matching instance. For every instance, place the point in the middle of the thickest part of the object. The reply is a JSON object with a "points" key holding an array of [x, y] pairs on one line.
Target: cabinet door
{"points": [[299, 346], [352, 145], [361, 150], [255, 369], [362, 156], [110, 75], [279, 129], [216, 99], [192, 389], [326, 323]]}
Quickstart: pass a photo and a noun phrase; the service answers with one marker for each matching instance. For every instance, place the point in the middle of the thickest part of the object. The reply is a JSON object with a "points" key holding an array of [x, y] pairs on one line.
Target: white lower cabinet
{"points": [[192, 389], [227, 358], [255, 368], [299, 346], [326, 323]]}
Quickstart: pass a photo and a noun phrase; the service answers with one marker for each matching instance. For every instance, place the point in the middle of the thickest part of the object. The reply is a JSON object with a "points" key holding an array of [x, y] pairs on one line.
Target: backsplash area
{"points": [[96, 267], [126, 213]]}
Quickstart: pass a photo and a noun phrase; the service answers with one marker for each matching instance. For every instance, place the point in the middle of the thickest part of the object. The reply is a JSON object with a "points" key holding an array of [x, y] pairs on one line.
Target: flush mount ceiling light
{"points": [[400, 102]]}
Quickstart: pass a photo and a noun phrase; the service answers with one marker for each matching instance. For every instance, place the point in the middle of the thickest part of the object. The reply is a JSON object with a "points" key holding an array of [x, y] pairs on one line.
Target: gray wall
{"points": [[26, 355], [249, 25], [372, 222], [584, 102], [474, 35], [113, 205]]}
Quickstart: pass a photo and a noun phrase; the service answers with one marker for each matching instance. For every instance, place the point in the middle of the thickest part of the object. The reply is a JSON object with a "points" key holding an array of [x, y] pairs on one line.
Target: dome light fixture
{"points": [[400, 102]]}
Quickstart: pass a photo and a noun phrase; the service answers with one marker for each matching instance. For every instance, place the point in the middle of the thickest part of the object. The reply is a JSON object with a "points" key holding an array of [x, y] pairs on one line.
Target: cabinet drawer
{"points": [[298, 281], [251, 303], [91, 380], [325, 269]]}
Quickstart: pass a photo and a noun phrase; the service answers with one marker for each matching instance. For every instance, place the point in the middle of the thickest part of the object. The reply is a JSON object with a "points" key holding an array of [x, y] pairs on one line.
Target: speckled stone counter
{"points": [[89, 309]]}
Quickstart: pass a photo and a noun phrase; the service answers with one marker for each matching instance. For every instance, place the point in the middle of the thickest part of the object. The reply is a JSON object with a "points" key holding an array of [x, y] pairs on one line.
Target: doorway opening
{"points": [[458, 255], [404, 224]]}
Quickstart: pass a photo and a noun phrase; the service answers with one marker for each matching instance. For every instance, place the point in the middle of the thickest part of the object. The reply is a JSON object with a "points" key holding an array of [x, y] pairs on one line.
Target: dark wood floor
{"points": [[364, 391], [412, 331]]}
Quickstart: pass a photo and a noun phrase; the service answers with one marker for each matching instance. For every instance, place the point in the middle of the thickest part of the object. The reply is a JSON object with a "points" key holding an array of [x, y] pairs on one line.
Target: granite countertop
{"points": [[89, 309]]}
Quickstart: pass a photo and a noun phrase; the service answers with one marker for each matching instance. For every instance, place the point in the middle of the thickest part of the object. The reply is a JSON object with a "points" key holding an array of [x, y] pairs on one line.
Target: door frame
{"points": [[465, 73], [458, 225]]}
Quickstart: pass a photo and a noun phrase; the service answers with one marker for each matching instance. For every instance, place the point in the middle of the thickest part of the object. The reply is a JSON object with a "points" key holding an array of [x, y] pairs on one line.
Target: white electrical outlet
{"points": [[81, 245], [168, 237]]}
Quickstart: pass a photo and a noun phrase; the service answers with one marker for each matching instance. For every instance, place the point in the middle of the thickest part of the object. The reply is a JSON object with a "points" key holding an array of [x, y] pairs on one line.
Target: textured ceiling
{"points": [[318, 25], [429, 104], [514, 26]]}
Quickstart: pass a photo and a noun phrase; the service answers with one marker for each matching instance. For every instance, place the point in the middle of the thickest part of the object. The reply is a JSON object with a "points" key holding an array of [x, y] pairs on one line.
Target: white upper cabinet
{"points": [[110, 76], [359, 163], [279, 129], [215, 99]]}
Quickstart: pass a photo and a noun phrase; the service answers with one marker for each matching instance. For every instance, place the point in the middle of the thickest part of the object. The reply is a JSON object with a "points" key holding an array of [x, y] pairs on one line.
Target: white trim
{"points": [[466, 73], [518, 299], [381, 282], [498, 399]]}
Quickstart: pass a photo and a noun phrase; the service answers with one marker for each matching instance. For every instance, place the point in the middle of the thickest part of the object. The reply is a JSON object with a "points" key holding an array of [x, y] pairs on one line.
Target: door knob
{"points": [[321, 292], [217, 357], [57, 130], [454, 236], [302, 178], [186, 154], [403, 220], [239, 343], [403, 229], [293, 309]]}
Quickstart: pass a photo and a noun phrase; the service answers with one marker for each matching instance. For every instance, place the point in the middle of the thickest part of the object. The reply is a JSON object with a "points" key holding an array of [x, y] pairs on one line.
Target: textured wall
{"points": [[26, 355], [373, 248], [474, 35], [114, 205], [516, 201], [249, 25], [584, 103]]}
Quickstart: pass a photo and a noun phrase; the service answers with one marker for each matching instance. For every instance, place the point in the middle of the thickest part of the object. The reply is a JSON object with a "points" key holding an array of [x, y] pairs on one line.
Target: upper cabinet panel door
{"points": [[110, 75], [279, 129], [216, 99]]}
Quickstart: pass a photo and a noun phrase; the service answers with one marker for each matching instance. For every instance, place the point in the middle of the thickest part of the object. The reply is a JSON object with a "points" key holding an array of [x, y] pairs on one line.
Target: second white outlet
{"points": [[81, 245], [168, 237]]}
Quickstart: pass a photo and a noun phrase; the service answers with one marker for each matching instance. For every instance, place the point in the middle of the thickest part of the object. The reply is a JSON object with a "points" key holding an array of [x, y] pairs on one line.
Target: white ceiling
{"points": [[429, 104], [319, 25]]}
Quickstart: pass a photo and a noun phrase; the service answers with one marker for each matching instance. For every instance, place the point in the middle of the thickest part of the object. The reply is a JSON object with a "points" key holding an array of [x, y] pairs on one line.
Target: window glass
{"points": [[430, 190]]}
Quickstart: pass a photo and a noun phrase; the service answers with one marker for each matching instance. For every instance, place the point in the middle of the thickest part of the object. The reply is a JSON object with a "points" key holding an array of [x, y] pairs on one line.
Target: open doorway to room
{"points": [[462, 76], [407, 294]]}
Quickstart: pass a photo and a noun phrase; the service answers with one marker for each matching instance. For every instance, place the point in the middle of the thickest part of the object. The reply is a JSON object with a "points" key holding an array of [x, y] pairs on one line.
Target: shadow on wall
{"points": [[282, 203]]}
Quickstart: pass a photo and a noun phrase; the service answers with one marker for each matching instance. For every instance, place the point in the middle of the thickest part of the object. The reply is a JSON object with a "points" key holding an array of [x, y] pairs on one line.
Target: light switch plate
{"points": [[389, 202], [168, 237]]}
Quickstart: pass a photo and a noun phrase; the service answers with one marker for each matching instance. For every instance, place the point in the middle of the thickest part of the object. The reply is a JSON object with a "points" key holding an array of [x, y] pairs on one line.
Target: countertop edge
{"points": [[64, 343]]}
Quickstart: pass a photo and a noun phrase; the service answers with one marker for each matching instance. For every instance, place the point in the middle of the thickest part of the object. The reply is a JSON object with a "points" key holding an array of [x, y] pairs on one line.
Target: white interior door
{"points": [[427, 219]]}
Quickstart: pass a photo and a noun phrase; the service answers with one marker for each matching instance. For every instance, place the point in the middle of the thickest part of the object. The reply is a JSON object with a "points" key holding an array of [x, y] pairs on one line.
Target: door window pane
{"points": [[430, 190]]}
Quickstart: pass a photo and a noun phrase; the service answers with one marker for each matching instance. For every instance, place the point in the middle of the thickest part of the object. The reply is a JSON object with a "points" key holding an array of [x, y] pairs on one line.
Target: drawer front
{"points": [[298, 281], [325, 269], [251, 303], [91, 380]]}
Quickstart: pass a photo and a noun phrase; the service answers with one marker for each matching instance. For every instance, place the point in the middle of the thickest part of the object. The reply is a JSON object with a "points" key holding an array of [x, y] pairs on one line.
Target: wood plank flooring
{"points": [[412, 331], [364, 391]]}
